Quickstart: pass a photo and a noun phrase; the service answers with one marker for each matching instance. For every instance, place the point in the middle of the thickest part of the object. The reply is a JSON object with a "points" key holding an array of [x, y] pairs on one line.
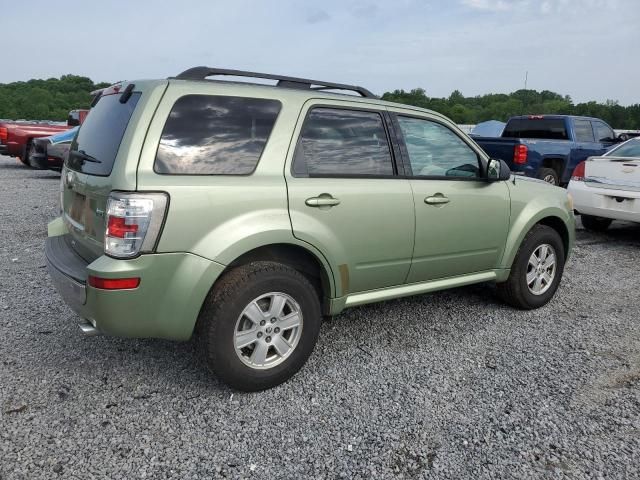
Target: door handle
{"points": [[437, 199], [323, 200]]}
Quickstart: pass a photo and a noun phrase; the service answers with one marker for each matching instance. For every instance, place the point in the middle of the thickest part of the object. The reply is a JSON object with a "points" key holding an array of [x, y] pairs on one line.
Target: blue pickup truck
{"points": [[549, 146]]}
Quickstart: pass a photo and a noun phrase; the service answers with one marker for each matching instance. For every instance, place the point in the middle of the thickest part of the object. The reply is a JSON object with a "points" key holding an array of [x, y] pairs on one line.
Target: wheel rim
{"points": [[541, 269], [268, 330], [550, 179]]}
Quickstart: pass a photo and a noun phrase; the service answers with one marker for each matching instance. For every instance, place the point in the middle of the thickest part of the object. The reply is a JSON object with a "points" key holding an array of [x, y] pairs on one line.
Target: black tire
{"points": [[549, 175], [595, 224], [24, 158], [224, 306], [515, 290]]}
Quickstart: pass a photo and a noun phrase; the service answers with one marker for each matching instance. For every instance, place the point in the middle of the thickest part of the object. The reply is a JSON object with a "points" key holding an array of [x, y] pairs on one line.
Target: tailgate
{"points": [[103, 157]]}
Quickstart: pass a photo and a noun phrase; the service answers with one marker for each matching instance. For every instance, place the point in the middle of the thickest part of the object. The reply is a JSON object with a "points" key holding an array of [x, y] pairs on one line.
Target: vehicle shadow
{"points": [[622, 232]]}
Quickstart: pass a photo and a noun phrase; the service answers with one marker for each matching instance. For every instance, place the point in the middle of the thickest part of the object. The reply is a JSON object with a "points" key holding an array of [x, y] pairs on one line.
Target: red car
{"points": [[16, 138]]}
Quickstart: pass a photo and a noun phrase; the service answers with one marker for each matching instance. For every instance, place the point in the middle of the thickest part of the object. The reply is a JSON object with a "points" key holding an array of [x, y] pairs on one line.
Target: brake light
{"points": [[520, 154], [114, 283], [4, 134], [134, 221], [578, 172], [536, 117]]}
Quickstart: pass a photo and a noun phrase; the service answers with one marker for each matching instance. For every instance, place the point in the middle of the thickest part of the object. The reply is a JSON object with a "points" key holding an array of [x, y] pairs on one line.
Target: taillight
{"points": [[134, 221], [520, 154], [4, 134], [578, 172]]}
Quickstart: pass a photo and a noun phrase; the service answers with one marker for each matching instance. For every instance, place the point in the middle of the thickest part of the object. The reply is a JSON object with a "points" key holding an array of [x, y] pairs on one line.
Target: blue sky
{"points": [[588, 49]]}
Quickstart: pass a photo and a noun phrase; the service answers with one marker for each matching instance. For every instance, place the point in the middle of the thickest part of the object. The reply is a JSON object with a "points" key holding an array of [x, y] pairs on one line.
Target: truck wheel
{"points": [[549, 175], [259, 324], [536, 271], [24, 158], [595, 224]]}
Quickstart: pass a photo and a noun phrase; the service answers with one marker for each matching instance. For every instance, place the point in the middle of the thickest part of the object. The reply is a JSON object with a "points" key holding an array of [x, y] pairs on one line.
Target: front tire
{"points": [[536, 271], [259, 325], [595, 224]]}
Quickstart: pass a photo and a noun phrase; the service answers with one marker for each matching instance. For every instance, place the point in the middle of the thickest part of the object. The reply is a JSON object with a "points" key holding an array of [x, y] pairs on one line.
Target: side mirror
{"points": [[498, 170]]}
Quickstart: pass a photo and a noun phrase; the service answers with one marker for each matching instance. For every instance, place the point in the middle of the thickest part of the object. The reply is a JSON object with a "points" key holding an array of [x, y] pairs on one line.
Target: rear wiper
{"points": [[85, 157]]}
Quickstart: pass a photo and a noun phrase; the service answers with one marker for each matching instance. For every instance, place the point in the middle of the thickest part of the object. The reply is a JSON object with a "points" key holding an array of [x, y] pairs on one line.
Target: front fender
{"points": [[530, 214]]}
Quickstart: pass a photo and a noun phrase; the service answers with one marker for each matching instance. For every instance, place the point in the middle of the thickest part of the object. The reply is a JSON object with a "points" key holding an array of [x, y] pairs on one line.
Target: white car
{"points": [[607, 188]]}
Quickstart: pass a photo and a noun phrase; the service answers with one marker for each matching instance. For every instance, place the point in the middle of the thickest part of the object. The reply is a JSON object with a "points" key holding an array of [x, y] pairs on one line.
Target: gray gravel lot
{"points": [[449, 385]]}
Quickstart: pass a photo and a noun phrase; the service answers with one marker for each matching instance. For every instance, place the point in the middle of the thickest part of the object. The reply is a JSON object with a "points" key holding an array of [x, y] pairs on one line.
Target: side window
{"points": [[435, 151], [584, 132], [215, 135], [342, 142], [603, 132]]}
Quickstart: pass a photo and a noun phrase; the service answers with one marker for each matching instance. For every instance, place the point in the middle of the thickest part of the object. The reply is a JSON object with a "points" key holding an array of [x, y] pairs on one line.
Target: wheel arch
{"points": [[555, 218], [302, 258]]}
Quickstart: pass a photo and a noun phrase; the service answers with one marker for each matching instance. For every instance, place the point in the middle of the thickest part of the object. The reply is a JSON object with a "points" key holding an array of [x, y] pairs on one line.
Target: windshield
{"points": [[94, 149], [630, 148]]}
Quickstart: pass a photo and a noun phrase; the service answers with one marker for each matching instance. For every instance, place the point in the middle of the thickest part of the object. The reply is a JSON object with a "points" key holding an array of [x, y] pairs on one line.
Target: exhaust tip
{"points": [[87, 329]]}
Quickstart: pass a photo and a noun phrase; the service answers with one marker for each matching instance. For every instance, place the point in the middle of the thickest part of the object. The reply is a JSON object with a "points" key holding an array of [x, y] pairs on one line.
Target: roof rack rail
{"points": [[201, 73]]}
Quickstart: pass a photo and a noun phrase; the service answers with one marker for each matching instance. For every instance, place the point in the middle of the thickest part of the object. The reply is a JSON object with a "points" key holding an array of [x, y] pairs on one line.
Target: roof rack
{"points": [[201, 73]]}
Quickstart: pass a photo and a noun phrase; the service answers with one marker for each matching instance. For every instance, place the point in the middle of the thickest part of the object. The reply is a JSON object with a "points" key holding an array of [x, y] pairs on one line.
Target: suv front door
{"points": [[346, 197], [461, 219]]}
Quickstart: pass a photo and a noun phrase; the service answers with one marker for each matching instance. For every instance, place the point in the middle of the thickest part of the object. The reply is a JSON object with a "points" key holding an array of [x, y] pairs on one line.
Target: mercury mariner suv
{"points": [[244, 213]]}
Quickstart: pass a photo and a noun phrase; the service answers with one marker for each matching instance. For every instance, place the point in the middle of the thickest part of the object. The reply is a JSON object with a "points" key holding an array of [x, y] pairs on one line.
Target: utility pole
{"points": [[526, 77]]}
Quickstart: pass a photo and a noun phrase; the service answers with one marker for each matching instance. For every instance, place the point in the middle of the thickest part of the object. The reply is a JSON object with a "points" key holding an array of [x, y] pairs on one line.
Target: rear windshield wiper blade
{"points": [[85, 157]]}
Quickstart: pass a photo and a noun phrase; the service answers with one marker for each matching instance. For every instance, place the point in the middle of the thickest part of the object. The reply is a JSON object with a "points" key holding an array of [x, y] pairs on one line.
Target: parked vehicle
{"points": [[50, 152], [607, 188], [247, 212], [549, 147], [16, 138], [490, 128]]}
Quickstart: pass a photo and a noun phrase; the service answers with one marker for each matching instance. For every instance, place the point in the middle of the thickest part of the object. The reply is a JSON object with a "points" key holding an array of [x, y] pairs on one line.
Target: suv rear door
{"points": [[103, 157], [461, 219], [346, 197]]}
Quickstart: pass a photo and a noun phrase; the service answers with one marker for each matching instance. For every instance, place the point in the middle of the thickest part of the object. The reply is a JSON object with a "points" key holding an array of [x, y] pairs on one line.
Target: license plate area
{"points": [[77, 210]]}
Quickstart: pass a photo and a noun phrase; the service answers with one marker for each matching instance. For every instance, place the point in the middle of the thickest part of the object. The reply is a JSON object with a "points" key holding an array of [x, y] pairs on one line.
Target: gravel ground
{"points": [[450, 385]]}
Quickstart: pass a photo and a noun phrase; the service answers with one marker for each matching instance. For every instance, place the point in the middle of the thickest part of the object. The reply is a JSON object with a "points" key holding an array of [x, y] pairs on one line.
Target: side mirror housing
{"points": [[498, 170]]}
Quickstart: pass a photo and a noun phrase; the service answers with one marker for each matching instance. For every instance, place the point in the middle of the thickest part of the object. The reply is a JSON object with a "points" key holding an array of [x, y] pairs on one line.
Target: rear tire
{"points": [[536, 271], [247, 337], [549, 175], [595, 224]]}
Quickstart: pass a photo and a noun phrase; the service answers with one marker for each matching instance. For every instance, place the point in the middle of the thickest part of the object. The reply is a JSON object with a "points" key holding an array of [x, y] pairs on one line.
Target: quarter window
{"points": [[436, 151], [343, 142], [584, 132], [215, 135]]}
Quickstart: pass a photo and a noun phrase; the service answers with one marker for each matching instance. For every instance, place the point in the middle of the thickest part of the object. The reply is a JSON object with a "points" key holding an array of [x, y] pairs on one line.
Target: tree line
{"points": [[472, 110], [49, 99], [52, 99]]}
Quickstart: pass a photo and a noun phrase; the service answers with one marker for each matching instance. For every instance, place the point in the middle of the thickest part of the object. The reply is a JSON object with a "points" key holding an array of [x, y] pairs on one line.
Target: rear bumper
{"points": [[605, 202], [172, 288]]}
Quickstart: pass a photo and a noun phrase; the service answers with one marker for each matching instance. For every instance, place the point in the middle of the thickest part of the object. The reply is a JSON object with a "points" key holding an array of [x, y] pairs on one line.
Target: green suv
{"points": [[243, 213]]}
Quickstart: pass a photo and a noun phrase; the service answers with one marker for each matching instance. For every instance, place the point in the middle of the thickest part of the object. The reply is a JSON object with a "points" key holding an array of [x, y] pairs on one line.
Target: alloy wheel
{"points": [[541, 269], [268, 330]]}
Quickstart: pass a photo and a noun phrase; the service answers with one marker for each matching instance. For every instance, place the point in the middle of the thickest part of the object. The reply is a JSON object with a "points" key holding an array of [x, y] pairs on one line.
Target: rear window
{"points": [[627, 149], [215, 135], [99, 138], [548, 128], [343, 142]]}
